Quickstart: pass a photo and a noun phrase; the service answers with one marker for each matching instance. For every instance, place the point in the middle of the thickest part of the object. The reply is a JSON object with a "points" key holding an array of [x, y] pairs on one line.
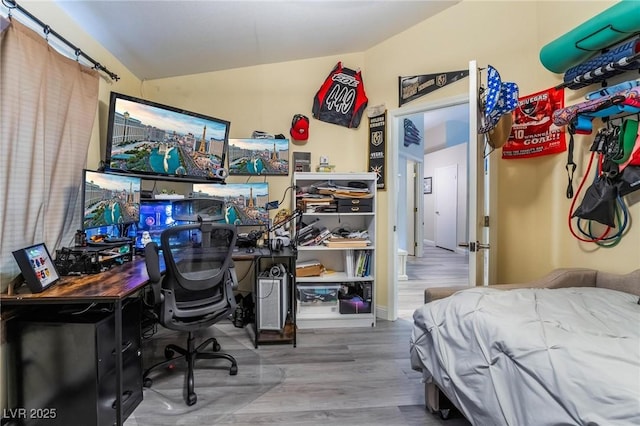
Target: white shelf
{"points": [[325, 248], [333, 258], [333, 278]]}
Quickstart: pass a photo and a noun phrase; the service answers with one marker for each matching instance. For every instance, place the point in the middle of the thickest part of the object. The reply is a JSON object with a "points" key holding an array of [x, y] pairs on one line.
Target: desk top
{"points": [[113, 284], [116, 283]]}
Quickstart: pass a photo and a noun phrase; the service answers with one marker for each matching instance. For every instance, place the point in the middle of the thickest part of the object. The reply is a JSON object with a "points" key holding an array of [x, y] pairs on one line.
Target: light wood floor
{"points": [[357, 376], [437, 268]]}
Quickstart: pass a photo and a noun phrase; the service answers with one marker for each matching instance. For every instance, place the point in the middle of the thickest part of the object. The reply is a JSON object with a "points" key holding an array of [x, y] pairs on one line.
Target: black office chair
{"points": [[195, 292]]}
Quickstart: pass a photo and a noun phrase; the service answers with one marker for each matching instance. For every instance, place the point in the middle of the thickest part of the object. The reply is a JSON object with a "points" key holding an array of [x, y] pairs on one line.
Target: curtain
{"points": [[48, 104]]}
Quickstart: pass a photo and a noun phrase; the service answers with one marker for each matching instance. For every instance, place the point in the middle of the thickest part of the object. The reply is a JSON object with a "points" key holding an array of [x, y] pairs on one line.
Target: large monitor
{"points": [[37, 267], [110, 199], [149, 138], [245, 203], [258, 157]]}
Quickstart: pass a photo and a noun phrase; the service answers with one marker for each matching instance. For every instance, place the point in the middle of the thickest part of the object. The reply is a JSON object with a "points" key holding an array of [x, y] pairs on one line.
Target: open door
{"points": [[482, 180]]}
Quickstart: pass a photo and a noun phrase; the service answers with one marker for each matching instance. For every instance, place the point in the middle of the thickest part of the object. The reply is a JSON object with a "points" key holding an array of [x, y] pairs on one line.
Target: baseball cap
{"points": [[300, 127]]}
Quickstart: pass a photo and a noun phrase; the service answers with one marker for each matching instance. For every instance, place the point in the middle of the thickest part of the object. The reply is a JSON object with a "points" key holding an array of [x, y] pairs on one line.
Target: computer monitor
{"points": [[244, 203], [148, 138], [251, 157], [37, 267], [110, 199]]}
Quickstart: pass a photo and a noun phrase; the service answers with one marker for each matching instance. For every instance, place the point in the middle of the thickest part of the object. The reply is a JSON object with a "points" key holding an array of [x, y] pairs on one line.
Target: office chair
{"points": [[195, 292]]}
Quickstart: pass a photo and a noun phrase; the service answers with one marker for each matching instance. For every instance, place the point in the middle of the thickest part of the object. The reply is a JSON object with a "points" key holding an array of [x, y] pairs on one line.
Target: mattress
{"points": [[567, 356]]}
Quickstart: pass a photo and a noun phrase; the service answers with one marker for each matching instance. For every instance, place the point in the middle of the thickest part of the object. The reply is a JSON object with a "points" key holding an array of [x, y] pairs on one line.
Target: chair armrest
{"points": [[558, 278]]}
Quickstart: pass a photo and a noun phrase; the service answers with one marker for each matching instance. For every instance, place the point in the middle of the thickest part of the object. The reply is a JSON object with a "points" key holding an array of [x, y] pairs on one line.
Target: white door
{"points": [[445, 192], [481, 269]]}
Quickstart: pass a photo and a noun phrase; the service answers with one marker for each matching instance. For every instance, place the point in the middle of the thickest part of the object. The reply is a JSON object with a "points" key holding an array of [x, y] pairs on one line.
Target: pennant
{"points": [[413, 87]]}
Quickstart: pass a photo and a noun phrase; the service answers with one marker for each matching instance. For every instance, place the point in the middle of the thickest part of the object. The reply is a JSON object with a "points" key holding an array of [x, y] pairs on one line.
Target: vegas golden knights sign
{"points": [[413, 87]]}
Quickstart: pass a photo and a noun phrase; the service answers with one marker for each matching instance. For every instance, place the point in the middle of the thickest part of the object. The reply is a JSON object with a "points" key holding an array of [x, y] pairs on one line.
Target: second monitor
{"points": [[244, 203]]}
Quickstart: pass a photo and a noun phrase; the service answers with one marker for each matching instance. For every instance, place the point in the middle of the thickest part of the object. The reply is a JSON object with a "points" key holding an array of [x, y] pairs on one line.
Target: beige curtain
{"points": [[47, 108]]}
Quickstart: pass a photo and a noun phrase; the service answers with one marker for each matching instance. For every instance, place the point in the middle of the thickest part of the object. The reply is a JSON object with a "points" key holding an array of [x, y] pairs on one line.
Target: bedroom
{"points": [[532, 206]]}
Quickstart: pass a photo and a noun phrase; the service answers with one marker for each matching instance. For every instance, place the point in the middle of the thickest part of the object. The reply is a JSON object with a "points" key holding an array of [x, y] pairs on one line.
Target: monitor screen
{"points": [[110, 199], [148, 138], [37, 267], [258, 157], [244, 203]]}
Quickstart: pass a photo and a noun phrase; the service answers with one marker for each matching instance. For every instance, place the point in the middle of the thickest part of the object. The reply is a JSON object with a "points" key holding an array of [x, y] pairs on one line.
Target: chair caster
{"points": [[233, 370], [444, 413], [168, 353], [147, 382], [191, 399]]}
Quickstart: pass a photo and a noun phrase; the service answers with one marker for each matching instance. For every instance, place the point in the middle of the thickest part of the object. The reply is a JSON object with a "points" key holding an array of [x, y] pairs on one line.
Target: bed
{"points": [[564, 350]]}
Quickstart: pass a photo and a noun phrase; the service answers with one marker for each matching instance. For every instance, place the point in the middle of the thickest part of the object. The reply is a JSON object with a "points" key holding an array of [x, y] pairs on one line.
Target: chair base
{"points": [[191, 353]]}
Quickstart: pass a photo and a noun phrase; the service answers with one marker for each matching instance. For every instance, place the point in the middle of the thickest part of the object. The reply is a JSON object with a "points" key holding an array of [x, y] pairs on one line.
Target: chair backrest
{"points": [[197, 287]]}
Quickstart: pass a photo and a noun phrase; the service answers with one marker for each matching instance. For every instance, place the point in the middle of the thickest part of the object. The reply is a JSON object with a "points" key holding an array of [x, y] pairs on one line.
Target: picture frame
{"points": [[427, 186]]}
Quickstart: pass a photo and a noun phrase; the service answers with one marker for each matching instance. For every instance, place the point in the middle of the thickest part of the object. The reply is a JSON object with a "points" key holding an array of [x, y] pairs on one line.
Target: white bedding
{"points": [[530, 357]]}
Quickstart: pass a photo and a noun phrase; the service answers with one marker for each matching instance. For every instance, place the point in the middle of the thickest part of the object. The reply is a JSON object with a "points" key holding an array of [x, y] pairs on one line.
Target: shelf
{"points": [[357, 215], [336, 321], [322, 247], [333, 278]]}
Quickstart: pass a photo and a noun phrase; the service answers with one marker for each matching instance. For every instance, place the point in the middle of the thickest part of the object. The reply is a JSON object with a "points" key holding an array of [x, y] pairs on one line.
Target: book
{"points": [[337, 242]]}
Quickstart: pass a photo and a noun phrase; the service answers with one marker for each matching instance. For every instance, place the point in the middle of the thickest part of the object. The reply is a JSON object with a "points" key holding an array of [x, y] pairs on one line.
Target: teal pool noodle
{"points": [[609, 27]]}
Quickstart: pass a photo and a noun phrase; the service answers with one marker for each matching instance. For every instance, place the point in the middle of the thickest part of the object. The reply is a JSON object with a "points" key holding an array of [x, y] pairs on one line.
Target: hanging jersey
{"points": [[341, 99]]}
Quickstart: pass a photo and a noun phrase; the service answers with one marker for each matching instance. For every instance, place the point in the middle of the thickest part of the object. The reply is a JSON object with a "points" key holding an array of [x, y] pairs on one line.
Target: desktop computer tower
{"points": [[272, 300]]}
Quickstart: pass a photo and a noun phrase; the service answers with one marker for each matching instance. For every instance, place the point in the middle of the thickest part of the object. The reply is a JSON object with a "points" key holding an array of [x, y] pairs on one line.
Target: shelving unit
{"points": [[322, 300]]}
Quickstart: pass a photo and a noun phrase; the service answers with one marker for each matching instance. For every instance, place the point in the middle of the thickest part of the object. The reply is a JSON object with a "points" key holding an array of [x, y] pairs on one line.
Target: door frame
{"points": [[395, 117], [482, 194]]}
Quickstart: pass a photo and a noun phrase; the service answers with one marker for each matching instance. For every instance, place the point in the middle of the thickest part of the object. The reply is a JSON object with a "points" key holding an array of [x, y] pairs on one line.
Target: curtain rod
{"points": [[12, 4]]}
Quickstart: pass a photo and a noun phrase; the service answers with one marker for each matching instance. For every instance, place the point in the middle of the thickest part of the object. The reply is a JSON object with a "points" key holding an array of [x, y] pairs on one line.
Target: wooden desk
{"points": [[120, 282], [112, 286]]}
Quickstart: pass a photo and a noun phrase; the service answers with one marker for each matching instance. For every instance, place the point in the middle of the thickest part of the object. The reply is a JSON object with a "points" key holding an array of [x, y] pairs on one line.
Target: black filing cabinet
{"points": [[67, 367]]}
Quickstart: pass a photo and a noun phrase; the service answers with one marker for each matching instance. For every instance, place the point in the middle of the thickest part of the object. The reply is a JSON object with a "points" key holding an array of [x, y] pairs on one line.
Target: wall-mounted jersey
{"points": [[341, 99]]}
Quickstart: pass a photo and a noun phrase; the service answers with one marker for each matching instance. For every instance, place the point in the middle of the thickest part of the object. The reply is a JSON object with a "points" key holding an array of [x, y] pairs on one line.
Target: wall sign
{"points": [[377, 147], [413, 87]]}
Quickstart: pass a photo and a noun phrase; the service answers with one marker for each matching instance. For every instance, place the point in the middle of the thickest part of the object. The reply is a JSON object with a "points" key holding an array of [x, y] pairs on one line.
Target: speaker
{"points": [[272, 301]]}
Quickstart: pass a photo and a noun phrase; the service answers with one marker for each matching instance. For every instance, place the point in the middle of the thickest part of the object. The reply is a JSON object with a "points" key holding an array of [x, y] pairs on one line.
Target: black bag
{"points": [[599, 202]]}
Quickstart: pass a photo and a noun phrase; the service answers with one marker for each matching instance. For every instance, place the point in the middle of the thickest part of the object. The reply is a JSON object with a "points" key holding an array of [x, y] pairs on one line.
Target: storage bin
{"points": [[318, 294], [317, 300]]}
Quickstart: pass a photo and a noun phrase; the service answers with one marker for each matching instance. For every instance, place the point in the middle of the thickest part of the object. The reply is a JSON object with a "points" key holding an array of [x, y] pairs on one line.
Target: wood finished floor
{"points": [[436, 268], [357, 376]]}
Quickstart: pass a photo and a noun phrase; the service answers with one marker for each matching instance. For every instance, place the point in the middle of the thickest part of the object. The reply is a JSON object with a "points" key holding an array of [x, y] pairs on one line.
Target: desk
{"points": [[111, 287], [120, 282]]}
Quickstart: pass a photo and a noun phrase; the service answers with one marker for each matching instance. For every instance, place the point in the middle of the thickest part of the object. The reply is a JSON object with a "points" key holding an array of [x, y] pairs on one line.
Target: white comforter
{"points": [[532, 357]]}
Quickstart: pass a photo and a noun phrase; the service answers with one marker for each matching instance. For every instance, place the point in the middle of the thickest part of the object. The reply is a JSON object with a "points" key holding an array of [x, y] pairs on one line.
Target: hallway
{"points": [[437, 268]]}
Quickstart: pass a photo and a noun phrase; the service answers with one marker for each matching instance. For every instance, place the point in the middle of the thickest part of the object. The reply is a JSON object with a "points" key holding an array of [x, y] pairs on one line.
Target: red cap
{"points": [[300, 127]]}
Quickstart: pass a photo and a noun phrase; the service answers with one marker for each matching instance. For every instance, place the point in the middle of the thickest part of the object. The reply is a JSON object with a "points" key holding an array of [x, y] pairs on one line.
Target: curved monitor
{"points": [[110, 199], [149, 138]]}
